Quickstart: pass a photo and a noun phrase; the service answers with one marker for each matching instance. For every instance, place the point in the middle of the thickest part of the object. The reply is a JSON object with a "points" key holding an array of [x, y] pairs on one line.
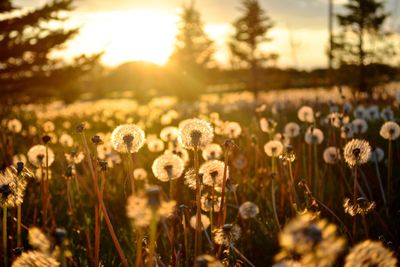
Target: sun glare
{"points": [[135, 35]]}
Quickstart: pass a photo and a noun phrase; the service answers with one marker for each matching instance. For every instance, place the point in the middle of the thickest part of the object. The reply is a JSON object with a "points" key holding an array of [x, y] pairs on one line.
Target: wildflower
{"points": [[207, 203], [205, 222], [377, 154], [232, 129], [38, 240], [212, 151], [66, 140], [357, 152], [273, 148], [169, 134], [314, 240], [140, 174], [331, 155], [291, 130], [127, 138], [248, 210], [37, 156], [370, 253], [267, 125], [195, 133], [35, 259], [227, 234], [390, 130], [207, 261], [314, 136], [155, 145], [14, 125], [360, 126], [362, 206], [168, 167], [213, 172], [12, 188], [306, 114]]}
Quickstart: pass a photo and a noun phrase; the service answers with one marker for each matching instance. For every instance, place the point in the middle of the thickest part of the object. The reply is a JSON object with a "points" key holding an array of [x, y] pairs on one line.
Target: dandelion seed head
{"points": [[66, 140], [357, 152], [74, 157], [291, 130], [38, 240], [140, 174], [155, 145], [373, 112], [190, 179], [387, 114], [205, 222], [268, 125], [12, 188], [370, 253], [346, 131], [14, 125], [273, 148], [232, 129], [338, 119], [360, 112], [48, 127], [390, 130], [360, 126], [207, 203], [306, 114], [168, 167], [227, 234], [127, 138], [248, 210], [212, 151], [240, 162], [35, 259], [137, 209], [331, 155], [19, 158], [169, 134], [37, 156], [313, 136], [213, 172], [195, 133], [363, 206], [314, 240], [377, 154]]}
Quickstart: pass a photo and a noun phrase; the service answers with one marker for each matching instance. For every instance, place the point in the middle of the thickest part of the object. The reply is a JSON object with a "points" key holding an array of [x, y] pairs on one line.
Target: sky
{"points": [[145, 30]]}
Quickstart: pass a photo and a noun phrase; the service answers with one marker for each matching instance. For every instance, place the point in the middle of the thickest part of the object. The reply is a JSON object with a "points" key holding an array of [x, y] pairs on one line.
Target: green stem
{"points": [[153, 236]]}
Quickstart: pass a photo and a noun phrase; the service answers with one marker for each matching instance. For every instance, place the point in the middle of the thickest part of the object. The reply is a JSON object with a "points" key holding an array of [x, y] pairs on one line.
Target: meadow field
{"points": [[289, 181]]}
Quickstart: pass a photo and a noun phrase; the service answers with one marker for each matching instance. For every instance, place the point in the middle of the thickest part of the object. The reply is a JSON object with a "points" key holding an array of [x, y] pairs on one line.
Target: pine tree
{"points": [[362, 40], [27, 38], [192, 55], [251, 31]]}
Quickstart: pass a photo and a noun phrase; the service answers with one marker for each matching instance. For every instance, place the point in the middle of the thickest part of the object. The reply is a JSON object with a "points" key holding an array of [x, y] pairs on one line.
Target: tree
{"points": [[27, 39], [192, 55], [361, 41], [251, 31]]}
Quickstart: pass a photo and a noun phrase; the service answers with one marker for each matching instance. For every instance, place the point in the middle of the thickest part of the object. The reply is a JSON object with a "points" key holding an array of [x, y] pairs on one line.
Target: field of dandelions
{"points": [[214, 183]]}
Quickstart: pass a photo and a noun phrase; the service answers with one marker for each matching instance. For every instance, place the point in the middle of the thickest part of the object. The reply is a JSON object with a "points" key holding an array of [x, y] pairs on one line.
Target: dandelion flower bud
{"points": [[127, 138], [390, 130]]}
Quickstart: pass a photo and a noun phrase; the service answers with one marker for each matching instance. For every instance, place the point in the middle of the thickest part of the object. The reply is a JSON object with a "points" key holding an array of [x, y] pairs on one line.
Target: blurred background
{"points": [[85, 49]]}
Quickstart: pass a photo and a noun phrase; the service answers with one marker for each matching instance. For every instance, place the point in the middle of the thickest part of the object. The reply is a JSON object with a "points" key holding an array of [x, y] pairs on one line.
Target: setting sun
{"points": [[134, 35]]}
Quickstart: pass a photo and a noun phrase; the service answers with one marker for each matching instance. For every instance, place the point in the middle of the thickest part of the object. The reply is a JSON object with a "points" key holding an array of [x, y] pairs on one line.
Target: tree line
{"points": [[362, 50]]}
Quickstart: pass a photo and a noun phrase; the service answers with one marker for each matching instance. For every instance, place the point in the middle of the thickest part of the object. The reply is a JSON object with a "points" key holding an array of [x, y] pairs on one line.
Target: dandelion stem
{"points": [[355, 201], [274, 203], [242, 256], [389, 175], [378, 174], [153, 236], [5, 251], [223, 205], [19, 215], [138, 261], [198, 235]]}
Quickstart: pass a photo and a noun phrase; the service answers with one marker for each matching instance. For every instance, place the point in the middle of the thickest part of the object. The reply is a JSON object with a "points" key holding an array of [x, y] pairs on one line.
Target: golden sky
{"points": [[145, 29]]}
